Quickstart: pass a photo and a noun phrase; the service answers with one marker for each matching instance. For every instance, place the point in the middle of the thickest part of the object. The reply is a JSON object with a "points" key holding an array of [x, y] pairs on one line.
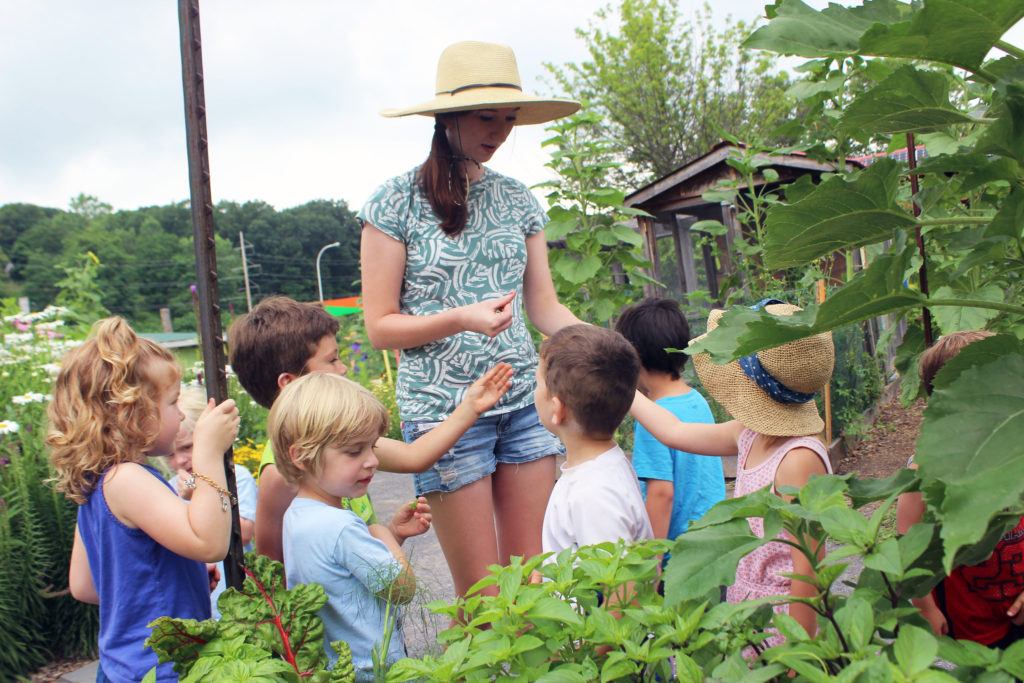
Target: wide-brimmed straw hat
{"points": [[474, 75], [772, 391]]}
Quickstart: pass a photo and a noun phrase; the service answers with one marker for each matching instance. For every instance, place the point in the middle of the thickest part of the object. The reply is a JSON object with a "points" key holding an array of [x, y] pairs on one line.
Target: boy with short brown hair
{"points": [[982, 602], [586, 380]]}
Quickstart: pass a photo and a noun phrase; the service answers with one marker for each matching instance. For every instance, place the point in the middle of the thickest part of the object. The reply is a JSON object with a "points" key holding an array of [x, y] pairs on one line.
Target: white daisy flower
{"points": [[30, 397], [9, 427]]}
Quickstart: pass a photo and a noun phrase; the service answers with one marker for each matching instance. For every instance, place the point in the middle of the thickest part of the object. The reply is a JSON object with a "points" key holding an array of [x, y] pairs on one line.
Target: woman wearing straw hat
{"points": [[774, 431], [451, 253]]}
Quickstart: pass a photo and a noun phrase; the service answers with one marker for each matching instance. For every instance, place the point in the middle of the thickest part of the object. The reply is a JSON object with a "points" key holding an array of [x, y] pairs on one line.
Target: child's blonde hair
{"points": [[320, 410], [192, 403], [945, 349], [105, 408]]}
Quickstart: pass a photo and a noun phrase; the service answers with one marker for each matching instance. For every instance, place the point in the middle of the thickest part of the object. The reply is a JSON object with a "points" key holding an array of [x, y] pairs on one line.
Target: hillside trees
{"points": [[147, 259]]}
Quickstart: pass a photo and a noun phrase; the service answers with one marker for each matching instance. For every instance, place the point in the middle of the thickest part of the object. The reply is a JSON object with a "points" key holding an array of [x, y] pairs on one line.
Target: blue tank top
{"points": [[137, 580]]}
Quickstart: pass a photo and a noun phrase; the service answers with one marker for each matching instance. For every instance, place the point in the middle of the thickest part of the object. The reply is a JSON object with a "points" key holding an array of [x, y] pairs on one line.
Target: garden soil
{"points": [[884, 448]]}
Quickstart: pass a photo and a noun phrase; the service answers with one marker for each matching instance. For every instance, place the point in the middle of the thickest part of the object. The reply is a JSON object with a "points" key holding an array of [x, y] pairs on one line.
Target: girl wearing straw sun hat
{"points": [[451, 254], [774, 431]]}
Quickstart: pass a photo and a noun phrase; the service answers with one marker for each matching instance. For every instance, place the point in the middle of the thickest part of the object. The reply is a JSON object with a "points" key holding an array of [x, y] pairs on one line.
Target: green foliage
{"points": [[149, 260], [839, 213], [39, 620], [972, 438], [266, 632], [970, 221], [79, 290], [601, 248], [560, 629], [665, 86], [856, 381]]}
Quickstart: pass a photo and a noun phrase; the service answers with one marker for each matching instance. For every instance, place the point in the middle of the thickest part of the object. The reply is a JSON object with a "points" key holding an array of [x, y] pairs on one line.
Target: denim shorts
{"points": [[510, 438]]}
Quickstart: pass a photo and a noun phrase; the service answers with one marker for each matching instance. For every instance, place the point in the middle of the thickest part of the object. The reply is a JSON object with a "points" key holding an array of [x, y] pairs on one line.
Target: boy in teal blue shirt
{"points": [[678, 487]]}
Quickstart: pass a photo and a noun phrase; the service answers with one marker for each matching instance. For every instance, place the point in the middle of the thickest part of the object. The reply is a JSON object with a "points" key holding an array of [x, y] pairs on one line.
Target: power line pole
{"points": [[245, 271]]}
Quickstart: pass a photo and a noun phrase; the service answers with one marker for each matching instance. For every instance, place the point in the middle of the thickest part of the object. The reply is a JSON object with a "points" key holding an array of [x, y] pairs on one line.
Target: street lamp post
{"points": [[319, 280]]}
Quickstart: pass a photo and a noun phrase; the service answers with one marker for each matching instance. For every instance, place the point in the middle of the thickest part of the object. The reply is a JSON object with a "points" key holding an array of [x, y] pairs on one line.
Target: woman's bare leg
{"points": [[521, 495], [464, 523]]}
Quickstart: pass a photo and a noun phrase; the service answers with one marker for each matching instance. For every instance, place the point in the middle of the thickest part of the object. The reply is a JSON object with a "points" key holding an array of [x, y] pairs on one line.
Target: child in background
{"points": [[678, 487], [192, 402], [982, 602], [271, 345], [281, 340], [139, 549], [585, 381], [324, 429], [770, 395]]}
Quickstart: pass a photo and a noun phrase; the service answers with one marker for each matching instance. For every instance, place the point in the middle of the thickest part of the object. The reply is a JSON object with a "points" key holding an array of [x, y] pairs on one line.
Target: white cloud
{"points": [[90, 96]]}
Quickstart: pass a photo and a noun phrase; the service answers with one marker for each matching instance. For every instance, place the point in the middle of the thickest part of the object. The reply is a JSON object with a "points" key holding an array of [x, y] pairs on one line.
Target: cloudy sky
{"points": [[90, 92]]}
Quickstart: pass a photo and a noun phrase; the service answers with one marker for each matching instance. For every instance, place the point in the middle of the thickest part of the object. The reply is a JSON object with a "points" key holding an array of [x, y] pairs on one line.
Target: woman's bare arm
{"points": [[692, 437], [542, 305]]}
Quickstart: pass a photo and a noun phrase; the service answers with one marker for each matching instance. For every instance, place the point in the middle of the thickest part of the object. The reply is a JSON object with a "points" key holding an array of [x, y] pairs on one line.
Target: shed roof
{"points": [[684, 186]]}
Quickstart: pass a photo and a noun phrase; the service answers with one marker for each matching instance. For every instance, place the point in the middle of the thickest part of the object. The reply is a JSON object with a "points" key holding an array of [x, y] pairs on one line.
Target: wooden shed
{"points": [[680, 262]]}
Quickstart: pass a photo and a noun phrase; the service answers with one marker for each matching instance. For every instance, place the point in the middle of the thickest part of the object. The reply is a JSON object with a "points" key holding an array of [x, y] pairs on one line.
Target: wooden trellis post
{"points": [[210, 331]]}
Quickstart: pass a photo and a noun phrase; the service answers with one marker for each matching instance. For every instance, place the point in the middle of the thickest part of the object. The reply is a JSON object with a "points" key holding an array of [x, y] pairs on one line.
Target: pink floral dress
{"points": [[760, 573]]}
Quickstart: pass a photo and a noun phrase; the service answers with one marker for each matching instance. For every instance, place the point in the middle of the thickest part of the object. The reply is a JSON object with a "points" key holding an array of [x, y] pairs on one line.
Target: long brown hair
{"points": [[444, 180]]}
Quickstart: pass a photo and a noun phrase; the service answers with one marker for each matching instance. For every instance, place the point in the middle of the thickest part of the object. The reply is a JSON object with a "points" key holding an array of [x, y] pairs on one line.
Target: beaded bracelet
{"points": [[224, 494]]}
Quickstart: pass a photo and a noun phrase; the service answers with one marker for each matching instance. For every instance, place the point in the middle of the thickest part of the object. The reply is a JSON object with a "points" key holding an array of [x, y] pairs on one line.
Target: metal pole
{"points": [[206, 255], [922, 272], [319, 281], [245, 271]]}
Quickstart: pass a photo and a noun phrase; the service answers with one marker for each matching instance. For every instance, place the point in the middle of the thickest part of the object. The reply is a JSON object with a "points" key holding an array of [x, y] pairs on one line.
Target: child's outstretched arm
{"points": [[198, 530], [910, 511], [697, 438], [421, 454], [797, 466]]}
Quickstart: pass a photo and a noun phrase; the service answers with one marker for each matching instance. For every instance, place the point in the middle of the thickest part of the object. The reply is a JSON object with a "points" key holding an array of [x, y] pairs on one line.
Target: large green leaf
{"points": [[838, 214], [872, 292], [1009, 221], [1005, 137], [706, 558], [796, 29], [958, 32], [910, 100], [960, 318], [575, 268], [972, 169], [972, 439]]}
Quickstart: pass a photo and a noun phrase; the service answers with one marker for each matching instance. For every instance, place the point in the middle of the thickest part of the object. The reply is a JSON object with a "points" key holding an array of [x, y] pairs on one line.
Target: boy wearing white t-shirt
{"points": [[586, 380]]}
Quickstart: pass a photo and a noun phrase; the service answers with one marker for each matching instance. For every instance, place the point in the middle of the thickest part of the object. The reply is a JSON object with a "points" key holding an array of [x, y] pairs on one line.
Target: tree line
{"points": [[147, 261]]}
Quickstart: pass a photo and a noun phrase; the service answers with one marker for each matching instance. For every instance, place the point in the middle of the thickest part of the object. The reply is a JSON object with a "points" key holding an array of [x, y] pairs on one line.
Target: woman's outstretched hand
{"points": [[490, 317], [484, 393]]}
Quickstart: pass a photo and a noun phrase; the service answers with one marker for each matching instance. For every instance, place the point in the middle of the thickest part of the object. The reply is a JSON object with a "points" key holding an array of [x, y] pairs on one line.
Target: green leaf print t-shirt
{"points": [[486, 261]]}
